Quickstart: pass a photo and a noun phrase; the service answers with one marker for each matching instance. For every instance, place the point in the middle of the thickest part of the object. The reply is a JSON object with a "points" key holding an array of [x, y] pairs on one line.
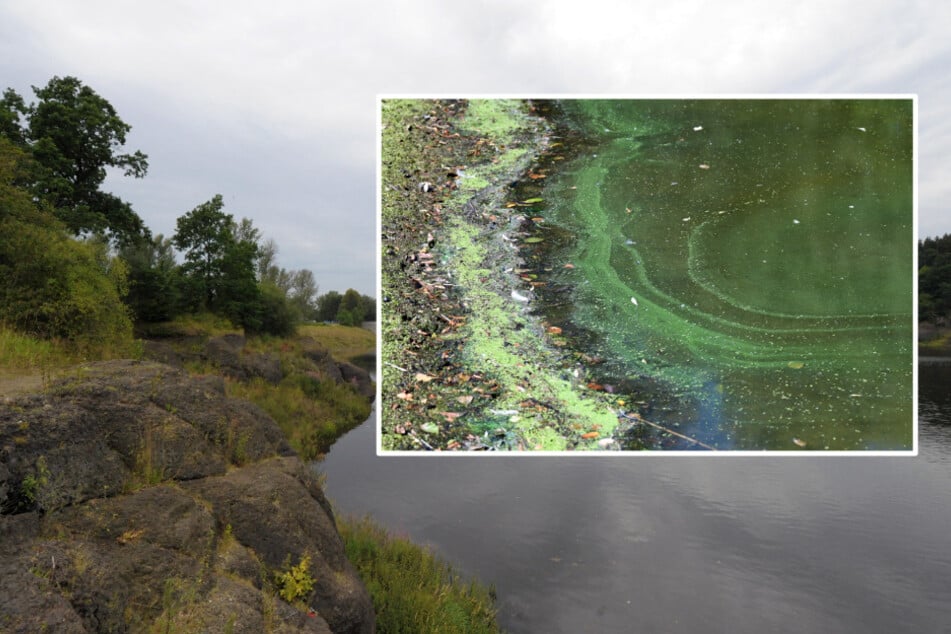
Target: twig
{"points": [[395, 366], [424, 443], [669, 431]]}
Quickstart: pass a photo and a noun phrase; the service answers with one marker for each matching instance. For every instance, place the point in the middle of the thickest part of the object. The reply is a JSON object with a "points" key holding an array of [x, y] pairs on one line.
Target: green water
{"points": [[768, 246]]}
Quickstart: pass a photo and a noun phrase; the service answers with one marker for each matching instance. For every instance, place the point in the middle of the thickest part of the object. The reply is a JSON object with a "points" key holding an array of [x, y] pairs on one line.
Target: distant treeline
{"points": [[934, 279], [79, 264]]}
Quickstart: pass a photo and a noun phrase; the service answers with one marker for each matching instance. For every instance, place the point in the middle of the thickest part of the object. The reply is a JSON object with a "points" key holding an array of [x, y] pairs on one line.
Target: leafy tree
{"points": [[205, 234], [302, 293], [277, 317], [155, 282], [934, 278], [238, 296], [74, 134], [266, 262], [369, 308], [350, 312], [328, 305], [51, 285]]}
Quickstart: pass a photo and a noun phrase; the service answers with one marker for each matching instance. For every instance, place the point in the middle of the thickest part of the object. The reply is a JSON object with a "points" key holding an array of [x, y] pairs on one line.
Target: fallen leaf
{"points": [[534, 240], [450, 416], [554, 330], [429, 428], [532, 201], [536, 176], [800, 443], [595, 386], [465, 400], [424, 378], [405, 396], [590, 434], [569, 266]]}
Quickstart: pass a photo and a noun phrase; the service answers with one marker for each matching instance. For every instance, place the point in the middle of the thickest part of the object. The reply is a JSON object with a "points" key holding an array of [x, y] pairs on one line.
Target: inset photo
{"points": [[614, 276]]}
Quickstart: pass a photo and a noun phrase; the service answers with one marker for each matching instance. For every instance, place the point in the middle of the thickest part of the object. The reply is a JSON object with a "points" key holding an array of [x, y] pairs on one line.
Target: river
{"points": [[649, 543]]}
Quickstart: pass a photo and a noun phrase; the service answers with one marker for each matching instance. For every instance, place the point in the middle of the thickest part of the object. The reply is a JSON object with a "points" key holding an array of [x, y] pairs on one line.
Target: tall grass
{"points": [[312, 414], [21, 353], [412, 589]]}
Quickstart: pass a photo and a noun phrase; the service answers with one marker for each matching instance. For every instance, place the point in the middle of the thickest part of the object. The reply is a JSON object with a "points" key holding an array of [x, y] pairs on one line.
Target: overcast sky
{"points": [[273, 104]]}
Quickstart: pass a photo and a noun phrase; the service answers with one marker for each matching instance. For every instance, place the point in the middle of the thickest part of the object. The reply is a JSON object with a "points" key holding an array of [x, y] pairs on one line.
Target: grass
{"points": [[412, 589], [196, 325], [312, 414], [24, 355], [344, 342]]}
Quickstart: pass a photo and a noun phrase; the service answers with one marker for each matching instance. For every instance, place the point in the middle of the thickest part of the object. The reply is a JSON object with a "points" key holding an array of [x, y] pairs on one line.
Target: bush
{"points": [[275, 315], [296, 583], [51, 285]]}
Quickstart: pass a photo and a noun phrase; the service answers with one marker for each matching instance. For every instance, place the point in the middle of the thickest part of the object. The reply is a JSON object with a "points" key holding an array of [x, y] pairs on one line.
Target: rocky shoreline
{"points": [[137, 498]]}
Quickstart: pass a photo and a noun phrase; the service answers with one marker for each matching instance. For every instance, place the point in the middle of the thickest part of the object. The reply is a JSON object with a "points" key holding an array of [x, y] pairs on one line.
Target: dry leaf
{"points": [[424, 378]]}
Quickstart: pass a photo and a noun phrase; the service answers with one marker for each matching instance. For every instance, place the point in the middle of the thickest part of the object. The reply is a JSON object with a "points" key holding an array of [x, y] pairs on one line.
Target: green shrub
{"points": [[296, 582]]}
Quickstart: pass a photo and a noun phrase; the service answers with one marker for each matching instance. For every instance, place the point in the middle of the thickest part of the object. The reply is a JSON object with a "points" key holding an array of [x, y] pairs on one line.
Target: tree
{"points": [[369, 308], [303, 291], [328, 305], [154, 279], [350, 312], [205, 234], [51, 285], [74, 135]]}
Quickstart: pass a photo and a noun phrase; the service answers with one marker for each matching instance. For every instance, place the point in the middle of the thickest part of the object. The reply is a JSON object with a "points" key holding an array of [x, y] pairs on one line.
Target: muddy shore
{"points": [[466, 364]]}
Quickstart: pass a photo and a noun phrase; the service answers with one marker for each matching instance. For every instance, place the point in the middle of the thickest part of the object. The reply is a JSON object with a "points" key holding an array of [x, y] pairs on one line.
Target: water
{"points": [[751, 257], [648, 543]]}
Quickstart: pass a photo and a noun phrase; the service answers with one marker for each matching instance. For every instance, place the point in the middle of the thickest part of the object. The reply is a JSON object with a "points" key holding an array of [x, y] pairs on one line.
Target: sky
{"points": [[273, 105]]}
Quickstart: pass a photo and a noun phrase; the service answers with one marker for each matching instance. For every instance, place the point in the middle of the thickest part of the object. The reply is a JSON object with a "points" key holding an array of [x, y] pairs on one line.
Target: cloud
{"points": [[273, 104]]}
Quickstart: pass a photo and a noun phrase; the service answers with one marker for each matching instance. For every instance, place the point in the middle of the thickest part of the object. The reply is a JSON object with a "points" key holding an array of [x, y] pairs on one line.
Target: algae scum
{"points": [[746, 264]]}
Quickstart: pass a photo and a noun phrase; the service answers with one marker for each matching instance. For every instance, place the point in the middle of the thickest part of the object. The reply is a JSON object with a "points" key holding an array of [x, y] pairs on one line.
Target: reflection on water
{"points": [[761, 247], [682, 545]]}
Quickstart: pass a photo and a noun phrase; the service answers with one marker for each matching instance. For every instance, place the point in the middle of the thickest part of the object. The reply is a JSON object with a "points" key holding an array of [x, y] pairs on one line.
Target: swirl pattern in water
{"points": [[752, 259]]}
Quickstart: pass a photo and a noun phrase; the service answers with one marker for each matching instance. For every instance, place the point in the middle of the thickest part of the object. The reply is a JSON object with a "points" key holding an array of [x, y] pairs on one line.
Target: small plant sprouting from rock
{"points": [[296, 583], [34, 485]]}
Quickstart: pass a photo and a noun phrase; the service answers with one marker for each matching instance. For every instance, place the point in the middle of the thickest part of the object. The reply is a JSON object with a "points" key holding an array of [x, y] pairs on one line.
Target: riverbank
{"points": [[466, 363], [933, 340], [144, 452]]}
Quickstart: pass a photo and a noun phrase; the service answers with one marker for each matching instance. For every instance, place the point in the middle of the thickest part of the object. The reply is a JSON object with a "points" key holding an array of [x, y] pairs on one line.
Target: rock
{"points": [[358, 378], [226, 352], [137, 498]]}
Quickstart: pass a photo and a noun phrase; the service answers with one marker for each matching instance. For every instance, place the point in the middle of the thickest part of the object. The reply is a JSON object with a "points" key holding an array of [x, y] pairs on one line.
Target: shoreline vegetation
{"points": [[441, 600], [465, 364], [176, 355]]}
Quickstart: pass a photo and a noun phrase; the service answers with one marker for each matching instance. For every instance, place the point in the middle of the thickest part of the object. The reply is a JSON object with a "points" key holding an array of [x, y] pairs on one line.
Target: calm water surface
{"points": [[653, 543], [750, 258]]}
